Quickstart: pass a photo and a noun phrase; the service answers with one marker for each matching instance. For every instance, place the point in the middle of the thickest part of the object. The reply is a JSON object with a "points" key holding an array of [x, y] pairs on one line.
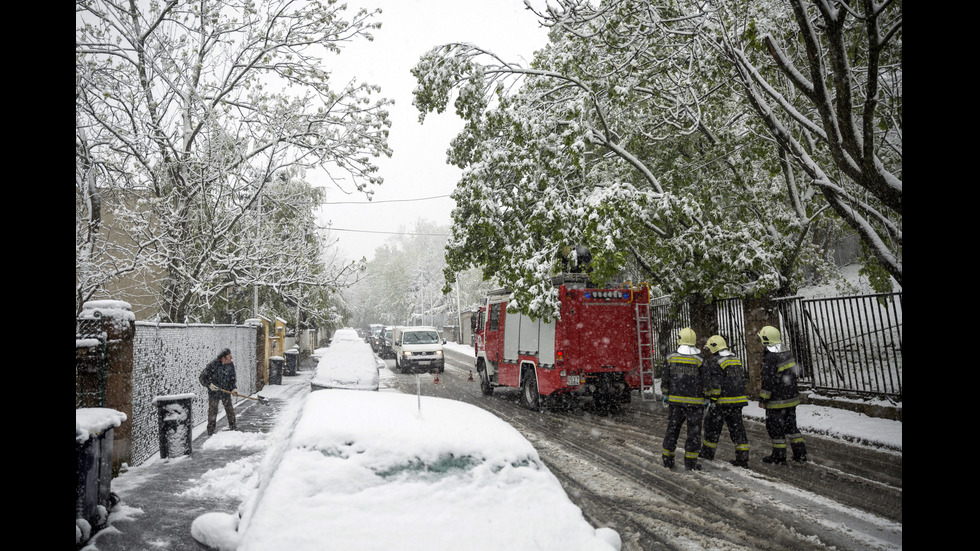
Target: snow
{"points": [[115, 309], [94, 421], [398, 465], [361, 481]]}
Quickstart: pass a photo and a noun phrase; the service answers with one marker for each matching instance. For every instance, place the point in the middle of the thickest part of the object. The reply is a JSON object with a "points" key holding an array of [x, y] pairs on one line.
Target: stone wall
{"points": [[167, 359]]}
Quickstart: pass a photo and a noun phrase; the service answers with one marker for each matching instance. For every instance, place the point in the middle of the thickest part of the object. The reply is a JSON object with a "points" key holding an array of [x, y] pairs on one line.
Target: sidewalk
{"points": [[160, 499]]}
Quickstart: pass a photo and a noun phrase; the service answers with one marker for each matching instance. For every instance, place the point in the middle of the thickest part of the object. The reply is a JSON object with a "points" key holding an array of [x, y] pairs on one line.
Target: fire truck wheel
{"points": [[529, 390], [485, 386]]}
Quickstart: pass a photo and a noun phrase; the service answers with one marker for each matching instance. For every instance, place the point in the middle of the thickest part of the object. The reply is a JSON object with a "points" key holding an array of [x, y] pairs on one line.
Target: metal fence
{"points": [[666, 319], [847, 344]]}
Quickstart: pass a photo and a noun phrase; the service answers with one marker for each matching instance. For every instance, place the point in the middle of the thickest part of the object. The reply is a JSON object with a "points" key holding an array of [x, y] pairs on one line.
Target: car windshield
{"points": [[416, 468], [421, 337]]}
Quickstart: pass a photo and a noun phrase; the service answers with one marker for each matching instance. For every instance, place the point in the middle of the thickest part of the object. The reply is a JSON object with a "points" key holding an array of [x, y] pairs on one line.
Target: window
{"points": [[495, 316]]}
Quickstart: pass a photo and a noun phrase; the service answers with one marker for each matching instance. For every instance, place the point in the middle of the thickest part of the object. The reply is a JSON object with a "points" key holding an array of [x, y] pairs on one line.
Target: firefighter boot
{"points": [[669, 461], [691, 464], [708, 451], [799, 452], [778, 457], [741, 459]]}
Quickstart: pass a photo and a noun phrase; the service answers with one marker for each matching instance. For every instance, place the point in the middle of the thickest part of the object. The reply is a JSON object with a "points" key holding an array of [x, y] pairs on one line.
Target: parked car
{"points": [[348, 363], [366, 471], [373, 331], [387, 344], [418, 348]]}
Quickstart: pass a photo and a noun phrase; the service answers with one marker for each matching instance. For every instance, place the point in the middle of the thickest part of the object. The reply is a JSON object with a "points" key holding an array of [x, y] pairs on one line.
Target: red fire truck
{"points": [[599, 348]]}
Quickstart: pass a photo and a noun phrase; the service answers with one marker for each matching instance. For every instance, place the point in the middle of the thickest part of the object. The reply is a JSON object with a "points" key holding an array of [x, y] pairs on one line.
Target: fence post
{"points": [[759, 312]]}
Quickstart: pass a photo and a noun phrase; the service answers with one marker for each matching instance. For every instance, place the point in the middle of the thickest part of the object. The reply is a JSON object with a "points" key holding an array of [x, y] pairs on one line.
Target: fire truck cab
{"points": [[598, 348]]}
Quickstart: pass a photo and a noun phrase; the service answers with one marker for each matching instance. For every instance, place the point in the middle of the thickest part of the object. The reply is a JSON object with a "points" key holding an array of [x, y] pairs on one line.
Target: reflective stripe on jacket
{"points": [[685, 380], [727, 380], [779, 380]]}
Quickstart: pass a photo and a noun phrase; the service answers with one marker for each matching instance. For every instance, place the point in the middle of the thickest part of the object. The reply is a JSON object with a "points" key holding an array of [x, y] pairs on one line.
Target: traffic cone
{"points": [[471, 375]]}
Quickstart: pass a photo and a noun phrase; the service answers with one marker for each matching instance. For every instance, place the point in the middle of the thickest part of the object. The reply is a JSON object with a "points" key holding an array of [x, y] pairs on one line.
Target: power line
{"points": [[385, 201], [331, 228]]}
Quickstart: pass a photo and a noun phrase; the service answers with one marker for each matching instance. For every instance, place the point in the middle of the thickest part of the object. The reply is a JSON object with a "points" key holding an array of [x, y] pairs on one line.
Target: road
{"points": [[848, 497]]}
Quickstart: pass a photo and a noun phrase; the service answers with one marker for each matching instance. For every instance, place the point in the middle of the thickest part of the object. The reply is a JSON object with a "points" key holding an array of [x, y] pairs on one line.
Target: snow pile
{"points": [[114, 309], [91, 422]]}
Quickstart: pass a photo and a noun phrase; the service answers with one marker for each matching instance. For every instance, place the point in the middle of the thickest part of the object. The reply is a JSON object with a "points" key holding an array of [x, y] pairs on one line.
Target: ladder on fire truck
{"points": [[644, 338]]}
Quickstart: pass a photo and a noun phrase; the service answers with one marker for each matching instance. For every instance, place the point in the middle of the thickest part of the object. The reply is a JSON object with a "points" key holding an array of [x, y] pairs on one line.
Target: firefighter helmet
{"points": [[716, 343], [769, 335], [687, 336]]}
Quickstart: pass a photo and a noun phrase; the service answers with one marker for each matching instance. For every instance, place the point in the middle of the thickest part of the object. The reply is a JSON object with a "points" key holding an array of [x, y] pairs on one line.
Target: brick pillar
{"points": [[119, 326], [759, 312]]}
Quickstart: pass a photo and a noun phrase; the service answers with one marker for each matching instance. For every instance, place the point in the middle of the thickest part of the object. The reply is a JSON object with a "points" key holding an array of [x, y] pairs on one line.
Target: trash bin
{"points": [[292, 360], [174, 423], [275, 370], [93, 468]]}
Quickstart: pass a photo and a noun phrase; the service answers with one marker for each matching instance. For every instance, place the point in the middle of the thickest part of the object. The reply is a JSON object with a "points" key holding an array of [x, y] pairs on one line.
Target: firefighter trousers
{"points": [[716, 418], [782, 429], [677, 416]]}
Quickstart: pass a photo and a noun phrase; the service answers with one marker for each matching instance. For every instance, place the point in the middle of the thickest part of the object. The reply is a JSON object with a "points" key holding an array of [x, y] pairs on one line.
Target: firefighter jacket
{"points": [[727, 379], [685, 379], [779, 380]]}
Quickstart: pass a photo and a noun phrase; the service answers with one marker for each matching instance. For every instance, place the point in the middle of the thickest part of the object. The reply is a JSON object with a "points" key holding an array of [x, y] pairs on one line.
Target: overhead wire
{"points": [[331, 228]]}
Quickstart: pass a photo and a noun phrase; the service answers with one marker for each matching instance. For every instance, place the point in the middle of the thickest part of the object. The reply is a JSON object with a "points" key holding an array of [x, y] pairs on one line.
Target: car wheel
{"points": [[529, 390]]}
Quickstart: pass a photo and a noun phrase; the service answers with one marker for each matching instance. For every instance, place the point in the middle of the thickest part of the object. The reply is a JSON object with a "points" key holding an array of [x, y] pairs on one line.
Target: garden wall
{"points": [[167, 360]]}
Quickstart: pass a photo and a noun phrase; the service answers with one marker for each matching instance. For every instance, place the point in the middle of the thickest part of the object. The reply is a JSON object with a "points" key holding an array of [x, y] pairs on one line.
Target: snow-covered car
{"points": [[347, 363], [365, 470]]}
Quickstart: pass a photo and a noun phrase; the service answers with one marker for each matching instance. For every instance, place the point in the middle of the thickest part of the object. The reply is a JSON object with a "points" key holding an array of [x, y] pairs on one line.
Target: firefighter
{"points": [[780, 396], [727, 400], [684, 385]]}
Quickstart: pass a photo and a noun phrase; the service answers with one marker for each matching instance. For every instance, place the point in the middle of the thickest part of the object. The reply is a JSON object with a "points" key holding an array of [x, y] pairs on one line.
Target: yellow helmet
{"points": [[769, 335], [687, 336], [716, 343]]}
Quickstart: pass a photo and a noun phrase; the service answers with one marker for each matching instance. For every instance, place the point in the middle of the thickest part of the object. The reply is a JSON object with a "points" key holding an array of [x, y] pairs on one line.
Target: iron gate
{"points": [[847, 344]]}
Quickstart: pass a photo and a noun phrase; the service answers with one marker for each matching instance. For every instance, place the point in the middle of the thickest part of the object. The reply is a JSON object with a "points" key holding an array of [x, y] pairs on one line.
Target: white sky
{"points": [[417, 168]]}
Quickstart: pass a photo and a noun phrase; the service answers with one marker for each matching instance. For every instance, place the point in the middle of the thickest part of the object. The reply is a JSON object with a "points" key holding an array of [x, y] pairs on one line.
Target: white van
{"points": [[418, 348]]}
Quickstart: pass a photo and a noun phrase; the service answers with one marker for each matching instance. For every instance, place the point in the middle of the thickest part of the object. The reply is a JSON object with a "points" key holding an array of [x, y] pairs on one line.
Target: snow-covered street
{"points": [[847, 497]]}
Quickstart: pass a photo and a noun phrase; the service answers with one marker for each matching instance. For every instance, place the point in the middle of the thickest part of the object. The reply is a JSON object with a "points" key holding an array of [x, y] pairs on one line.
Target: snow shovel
{"points": [[260, 399]]}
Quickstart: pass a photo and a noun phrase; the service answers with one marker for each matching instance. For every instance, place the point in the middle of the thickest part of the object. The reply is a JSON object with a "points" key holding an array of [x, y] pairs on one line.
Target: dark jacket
{"points": [[685, 380], [221, 375], [727, 380], [779, 380]]}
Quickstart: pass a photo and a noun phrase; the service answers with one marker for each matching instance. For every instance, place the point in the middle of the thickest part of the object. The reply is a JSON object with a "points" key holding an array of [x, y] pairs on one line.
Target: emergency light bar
{"points": [[608, 294]]}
